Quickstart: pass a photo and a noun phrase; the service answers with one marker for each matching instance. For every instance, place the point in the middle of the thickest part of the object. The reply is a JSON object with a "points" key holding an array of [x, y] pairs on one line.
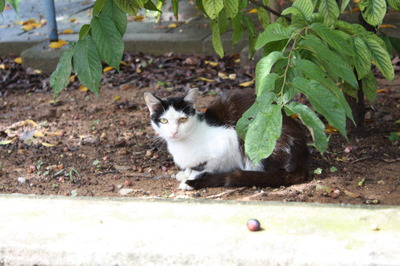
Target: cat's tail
{"points": [[241, 178]]}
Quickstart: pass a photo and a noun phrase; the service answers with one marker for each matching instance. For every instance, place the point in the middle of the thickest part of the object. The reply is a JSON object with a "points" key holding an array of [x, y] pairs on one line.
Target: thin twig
{"points": [[276, 13], [227, 192]]}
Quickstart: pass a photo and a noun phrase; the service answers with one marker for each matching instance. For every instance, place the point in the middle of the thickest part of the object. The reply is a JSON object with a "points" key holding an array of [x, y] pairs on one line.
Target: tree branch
{"points": [[276, 13]]}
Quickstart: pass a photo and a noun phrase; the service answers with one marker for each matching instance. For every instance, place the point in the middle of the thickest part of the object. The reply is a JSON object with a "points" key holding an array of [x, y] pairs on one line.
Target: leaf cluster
{"points": [[320, 56]]}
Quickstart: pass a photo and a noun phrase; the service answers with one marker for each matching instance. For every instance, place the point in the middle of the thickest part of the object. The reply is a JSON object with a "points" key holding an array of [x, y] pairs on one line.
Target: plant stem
{"points": [[276, 13]]}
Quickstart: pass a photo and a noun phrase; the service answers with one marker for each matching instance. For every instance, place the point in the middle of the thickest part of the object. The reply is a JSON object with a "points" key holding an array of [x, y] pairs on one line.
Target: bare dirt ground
{"points": [[85, 146]]}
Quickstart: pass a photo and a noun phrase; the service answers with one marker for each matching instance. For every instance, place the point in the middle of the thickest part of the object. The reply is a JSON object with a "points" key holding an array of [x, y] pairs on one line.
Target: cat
{"points": [[207, 149]]}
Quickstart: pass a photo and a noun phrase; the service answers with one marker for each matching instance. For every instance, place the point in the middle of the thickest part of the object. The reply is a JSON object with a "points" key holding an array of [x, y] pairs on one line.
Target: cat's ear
{"points": [[191, 97], [151, 101]]}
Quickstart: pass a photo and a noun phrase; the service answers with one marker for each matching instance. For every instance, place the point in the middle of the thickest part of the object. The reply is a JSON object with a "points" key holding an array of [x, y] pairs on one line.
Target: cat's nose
{"points": [[174, 133]]}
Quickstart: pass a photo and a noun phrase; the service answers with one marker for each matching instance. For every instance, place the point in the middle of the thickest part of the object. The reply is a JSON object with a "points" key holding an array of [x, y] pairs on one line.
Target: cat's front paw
{"points": [[184, 186], [181, 176]]}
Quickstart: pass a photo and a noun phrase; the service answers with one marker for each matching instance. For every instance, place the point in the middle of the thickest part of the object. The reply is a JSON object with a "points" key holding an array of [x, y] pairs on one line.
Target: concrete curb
{"points": [[42, 230]]}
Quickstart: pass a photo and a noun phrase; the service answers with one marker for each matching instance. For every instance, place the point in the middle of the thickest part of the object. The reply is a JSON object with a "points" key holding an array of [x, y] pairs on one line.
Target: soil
{"points": [[88, 146]]}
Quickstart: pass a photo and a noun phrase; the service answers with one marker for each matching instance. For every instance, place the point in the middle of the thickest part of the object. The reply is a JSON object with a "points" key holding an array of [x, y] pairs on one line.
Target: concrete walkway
{"points": [[104, 231]]}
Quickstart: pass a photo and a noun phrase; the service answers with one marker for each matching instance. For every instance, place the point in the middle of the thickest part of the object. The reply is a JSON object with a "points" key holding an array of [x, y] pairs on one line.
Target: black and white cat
{"points": [[206, 147]]}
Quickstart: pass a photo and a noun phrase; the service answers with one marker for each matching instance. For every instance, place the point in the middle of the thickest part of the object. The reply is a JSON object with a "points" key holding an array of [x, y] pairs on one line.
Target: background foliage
{"points": [[308, 50]]}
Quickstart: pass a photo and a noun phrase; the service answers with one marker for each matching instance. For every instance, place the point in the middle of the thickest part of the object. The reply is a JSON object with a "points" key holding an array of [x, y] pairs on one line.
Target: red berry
{"points": [[253, 225]]}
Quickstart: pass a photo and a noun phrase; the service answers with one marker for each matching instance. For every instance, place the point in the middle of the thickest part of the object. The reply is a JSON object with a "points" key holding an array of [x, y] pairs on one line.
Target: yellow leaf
{"points": [[116, 98], [382, 90], [106, 69], [18, 60], [68, 31], [72, 78], [329, 128], [253, 11], [73, 20], [5, 142], [46, 144], [247, 83], [222, 75], [206, 79], [237, 61], [37, 71], [351, 194], [173, 25], [38, 134], [2, 66], [27, 27], [211, 63], [138, 18], [57, 45], [387, 26], [83, 88], [123, 63], [29, 21]]}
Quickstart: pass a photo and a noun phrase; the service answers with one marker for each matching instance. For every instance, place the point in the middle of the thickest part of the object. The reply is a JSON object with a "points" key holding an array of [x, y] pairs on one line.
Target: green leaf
{"points": [[116, 15], [98, 7], [237, 28], [273, 32], [216, 38], [324, 102], [306, 7], [362, 60], [59, 79], [263, 132], [264, 18], [262, 101], [213, 7], [108, 40], [2, 5], [333, 38], [231, 7], [369, 87], [263, 69], [329, 10], [373, 11], [15, 4], [267, 83], [252, 32], [312, 71], [344, 4], [313, 123], [85, 29], [395, 42], [175, 7], [380, 57], [223, 22], [333, 63], [130, 6], [395, 4], [149, 5], [87, 64]]}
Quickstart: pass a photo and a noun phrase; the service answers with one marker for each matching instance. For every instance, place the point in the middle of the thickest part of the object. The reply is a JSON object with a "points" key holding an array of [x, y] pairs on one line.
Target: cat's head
{"points": [[173, 118]]}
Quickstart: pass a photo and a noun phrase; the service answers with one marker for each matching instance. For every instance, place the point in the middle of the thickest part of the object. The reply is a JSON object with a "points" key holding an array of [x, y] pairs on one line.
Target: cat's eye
{"points": [[183, 119], [163, 120]]}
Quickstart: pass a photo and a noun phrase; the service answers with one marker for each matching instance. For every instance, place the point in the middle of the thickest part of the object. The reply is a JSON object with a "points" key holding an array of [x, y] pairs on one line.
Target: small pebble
{"points": [[21, 179], [253, 225]]}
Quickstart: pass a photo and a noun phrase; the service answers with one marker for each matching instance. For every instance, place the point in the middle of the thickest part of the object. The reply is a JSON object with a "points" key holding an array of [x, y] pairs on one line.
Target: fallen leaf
{"points": [[2, 66], [46, 144], [206, 79], [5, 142], [106, 69], [138, 18], [58, 44], [361, 183], [173, 25], [383, 26], [329, 128], [123, 63], [382, 90], [68, 31], [323, 188], [318, 171], [18, 60], [73, 20], [72, 78], [351, 194], [211, 63], [83, 88], [116, 98], [253, 11], [247, 83]]}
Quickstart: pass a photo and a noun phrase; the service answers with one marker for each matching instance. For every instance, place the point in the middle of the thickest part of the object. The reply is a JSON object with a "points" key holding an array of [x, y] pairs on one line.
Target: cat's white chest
{"points": [[218, 147]]}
